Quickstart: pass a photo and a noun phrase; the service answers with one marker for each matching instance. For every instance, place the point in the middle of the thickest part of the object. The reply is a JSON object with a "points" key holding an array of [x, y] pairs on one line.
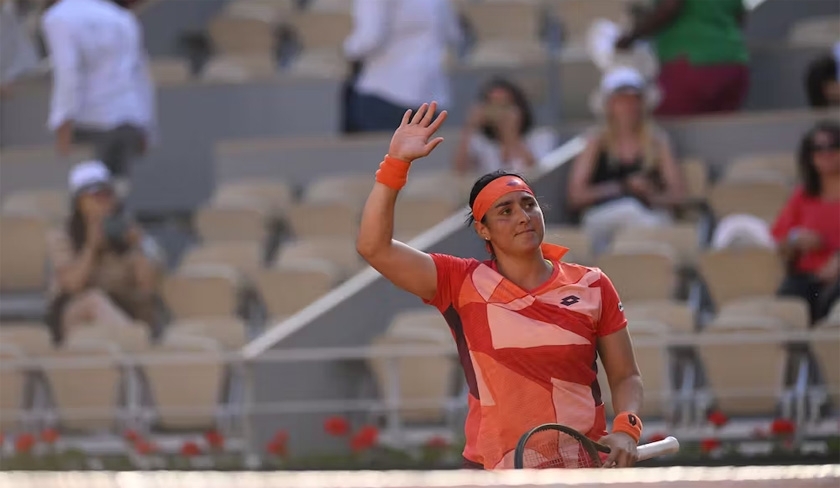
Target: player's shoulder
{"points": [[575, 273]]}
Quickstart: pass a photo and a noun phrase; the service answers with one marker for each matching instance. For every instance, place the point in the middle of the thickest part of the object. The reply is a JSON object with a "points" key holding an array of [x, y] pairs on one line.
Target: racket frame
{"points": [[669, 445]]}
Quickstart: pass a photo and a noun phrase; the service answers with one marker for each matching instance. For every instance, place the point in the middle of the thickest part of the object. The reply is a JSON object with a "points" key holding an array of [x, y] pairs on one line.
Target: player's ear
{"points": [[482, 230]]}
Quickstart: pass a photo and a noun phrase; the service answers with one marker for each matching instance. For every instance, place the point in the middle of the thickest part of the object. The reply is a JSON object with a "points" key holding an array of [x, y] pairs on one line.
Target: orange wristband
{"points": [[628, 423], [393, 173]]}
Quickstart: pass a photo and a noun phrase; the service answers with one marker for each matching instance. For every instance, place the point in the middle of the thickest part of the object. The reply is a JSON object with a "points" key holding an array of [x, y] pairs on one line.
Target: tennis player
{"points": [[527, 325]]}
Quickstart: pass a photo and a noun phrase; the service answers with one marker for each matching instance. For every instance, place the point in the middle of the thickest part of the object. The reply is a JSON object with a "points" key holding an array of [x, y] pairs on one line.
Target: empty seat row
{"points": [[94, 382], [247, 34]]}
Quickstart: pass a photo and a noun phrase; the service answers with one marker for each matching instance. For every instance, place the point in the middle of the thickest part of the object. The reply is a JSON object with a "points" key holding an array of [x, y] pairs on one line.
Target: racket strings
{"points": [[553, 449]]}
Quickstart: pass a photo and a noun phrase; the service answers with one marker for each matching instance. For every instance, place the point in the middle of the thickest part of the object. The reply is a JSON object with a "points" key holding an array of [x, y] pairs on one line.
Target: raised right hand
{"points": [[411, 139]]}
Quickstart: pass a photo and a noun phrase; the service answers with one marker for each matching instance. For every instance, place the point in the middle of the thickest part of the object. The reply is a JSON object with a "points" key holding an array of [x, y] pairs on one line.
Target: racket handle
{"points": [[669, 445]]}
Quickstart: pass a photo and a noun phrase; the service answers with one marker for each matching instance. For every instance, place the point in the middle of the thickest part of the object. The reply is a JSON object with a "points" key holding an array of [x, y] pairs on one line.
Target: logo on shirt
{"points": [[620, 307], [569, 301]]}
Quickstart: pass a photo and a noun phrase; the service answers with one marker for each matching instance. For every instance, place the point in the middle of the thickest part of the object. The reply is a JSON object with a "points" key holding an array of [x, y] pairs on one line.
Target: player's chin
{"points": [[528, 240]]}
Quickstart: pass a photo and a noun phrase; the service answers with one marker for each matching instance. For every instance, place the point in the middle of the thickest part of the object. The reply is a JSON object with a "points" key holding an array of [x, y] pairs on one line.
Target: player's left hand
{"points": [[622, 450]]}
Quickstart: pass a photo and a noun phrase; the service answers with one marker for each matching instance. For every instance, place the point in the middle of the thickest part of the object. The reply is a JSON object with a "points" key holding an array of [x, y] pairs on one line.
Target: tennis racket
{"points": [[558, 446]]}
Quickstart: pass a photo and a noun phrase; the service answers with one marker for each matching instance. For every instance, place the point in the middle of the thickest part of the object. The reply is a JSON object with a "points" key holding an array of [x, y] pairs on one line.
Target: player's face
{"points": [[514, 224]]}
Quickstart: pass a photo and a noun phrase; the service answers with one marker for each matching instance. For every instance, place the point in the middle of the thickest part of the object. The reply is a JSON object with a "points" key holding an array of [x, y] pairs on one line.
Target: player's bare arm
{"points": [[406, 267]]}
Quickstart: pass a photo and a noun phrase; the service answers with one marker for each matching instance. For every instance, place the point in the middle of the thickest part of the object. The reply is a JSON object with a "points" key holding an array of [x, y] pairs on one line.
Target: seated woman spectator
{"points": [[626, 174], [106, 270], [500, 133], [822, 80], [808, 228]]}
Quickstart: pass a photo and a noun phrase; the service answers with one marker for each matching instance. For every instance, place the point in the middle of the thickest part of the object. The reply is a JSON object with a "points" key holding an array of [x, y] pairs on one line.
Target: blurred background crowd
{"points": [[183, 178]]}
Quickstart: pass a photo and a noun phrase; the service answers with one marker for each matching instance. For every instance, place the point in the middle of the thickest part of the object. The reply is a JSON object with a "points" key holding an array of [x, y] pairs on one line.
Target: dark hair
{"points": [[519, 99], [807, 170], [818, 73], [484, 181]]}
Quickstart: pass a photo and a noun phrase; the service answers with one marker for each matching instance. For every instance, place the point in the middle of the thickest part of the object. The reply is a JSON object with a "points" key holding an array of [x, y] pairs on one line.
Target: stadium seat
{"points": [[239, 68], [233, 222], [733, 274], [744, 368], [321, 35], [31, 338], [287, 290], [271, 196], [352, 189], [682, 238], [825, 344], [243, 257], [507, 32], [49, 204], [769, 311], [652, 357], [23, 254], [761, 199], [127, 339], [677, 316], [641, 276], [439, 184], [413, 216], [696, 174], [244, 36], [170, 71], [420, 323], [820, 31], [573, 238], [229, 332], [186, 395], [200, 292], [342, 6], [86, 396], [340, 252], [420, 379], [323, 219], [780, 168], [264, 10], [576, 16]]}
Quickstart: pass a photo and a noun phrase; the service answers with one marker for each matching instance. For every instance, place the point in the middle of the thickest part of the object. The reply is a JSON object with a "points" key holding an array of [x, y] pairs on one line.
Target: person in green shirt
{"points": [[702, 54]]}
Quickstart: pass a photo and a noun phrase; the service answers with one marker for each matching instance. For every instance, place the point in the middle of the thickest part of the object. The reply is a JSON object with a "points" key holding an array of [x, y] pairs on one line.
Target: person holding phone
{"points": [[500, 132], [106, 270]]}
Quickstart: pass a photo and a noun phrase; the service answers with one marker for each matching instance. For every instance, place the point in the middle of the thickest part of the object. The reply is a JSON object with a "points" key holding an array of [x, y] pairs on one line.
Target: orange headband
{"points": [[495, 190]]}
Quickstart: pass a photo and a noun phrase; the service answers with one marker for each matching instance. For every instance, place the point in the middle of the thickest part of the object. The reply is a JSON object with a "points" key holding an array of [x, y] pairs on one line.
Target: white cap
{"points": [[87, 174], [623, 77]]}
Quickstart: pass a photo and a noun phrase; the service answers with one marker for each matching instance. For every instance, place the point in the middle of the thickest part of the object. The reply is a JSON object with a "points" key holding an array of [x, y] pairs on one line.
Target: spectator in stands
{"points": [[808, 228], [402, 48], [822, 81], [626, 174], [527, 324], [103, 93], [500, 132], [702, 54], [106, 269], [18, 56]]}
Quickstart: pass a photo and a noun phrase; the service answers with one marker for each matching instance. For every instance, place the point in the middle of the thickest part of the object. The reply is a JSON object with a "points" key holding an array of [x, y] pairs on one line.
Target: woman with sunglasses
{"points": [[528, 326], [808, 228], [106, 270]]}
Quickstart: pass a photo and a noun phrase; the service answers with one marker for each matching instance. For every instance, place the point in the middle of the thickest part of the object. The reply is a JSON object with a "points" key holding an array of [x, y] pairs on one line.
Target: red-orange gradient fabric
{"points": [[528, 356]]}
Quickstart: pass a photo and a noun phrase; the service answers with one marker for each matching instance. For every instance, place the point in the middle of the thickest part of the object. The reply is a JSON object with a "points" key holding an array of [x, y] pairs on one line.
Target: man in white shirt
{"points": [[402, 47], [103, 93]]}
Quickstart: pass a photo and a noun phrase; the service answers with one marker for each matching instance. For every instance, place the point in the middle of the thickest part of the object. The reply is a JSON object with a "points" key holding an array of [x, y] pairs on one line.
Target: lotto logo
{"points": [[569, 301]]}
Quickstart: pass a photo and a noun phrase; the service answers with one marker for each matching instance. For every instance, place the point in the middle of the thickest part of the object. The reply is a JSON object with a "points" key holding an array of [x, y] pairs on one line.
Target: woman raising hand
{"points": [[528, 326]]}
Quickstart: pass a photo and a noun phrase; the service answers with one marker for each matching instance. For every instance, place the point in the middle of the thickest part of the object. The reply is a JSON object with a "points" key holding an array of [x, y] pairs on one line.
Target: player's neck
{"points": [[527, 272]]}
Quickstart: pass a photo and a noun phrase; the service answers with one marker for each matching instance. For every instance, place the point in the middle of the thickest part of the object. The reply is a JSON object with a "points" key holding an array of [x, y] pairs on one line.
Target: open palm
{"points": [[411, 139]]}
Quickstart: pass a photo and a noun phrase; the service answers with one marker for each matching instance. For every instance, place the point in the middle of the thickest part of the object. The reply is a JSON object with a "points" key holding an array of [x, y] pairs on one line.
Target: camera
{"points": [[116, 227]]}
